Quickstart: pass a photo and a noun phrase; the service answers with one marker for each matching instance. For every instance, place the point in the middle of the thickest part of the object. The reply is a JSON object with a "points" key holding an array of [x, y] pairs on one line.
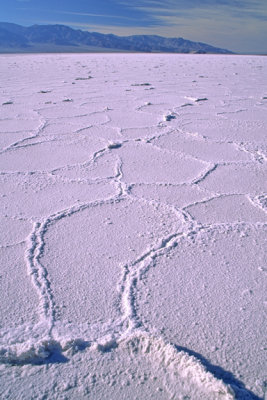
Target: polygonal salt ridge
{"points": [[101, 133], [59, 111], [201, 148], [177, 195], [227, 208], [196, 99], [39, 274], [28, 142], [34, 250], [180, 369], [224, 129], [42, 351], [246, 178], [133, 272], [21, 122], [89, 164], [122, 118], [177, 366], [165, 166], [156, 108], [28, 352], [256, 152], [259, 201], [146, 133], [203, 174], [183, 155], [31, 135], [206, 233]]}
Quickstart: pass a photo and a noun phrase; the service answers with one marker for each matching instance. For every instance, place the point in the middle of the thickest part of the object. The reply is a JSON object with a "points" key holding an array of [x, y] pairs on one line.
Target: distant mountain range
{"points": [[46, 38]]}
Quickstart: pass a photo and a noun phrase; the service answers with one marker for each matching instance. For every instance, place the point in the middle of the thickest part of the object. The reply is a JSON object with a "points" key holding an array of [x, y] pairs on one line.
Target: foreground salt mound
{"points": [[28, 352], [183, 375], [140, 364], [196, 282]]}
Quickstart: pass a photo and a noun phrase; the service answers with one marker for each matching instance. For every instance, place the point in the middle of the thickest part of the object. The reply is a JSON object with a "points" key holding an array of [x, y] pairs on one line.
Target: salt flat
{"points": [[133, 226]]}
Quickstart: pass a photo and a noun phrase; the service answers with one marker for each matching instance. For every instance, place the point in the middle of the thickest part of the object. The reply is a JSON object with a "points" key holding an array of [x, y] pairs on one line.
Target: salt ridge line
{"points": [[255, 202], [256, 155], [259, 201], [210, 168], [38, 247], [111, 145], [100, 124], [183, 154], [28, 351], [145, 140], [42, 284], [40, 274], [134, 327], [134, 271], [7, 246], [128, 290], [44, 122], [240, 146], [177, 365], [97, 154], [42, 349], [40, 128], [131, 272]]}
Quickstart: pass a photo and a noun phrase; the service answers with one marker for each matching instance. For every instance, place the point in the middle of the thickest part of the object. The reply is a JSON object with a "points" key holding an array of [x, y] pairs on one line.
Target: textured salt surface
{"points": [[133, 215]]}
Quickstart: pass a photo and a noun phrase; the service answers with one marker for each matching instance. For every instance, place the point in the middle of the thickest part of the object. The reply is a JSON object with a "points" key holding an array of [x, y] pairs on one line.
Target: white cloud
{"points": [[237, 25], [85, 14]]}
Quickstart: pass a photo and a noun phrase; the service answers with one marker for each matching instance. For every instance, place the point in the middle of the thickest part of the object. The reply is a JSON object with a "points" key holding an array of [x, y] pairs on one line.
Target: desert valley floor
{"points": [[133, 226]]}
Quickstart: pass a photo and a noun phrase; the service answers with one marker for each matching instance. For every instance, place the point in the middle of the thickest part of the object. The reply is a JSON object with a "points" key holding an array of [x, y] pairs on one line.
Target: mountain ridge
{"points": [[14, 37]]}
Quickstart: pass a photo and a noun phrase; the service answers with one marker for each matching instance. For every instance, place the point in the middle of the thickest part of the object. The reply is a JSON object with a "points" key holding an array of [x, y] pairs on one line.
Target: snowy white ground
{"points": [[133, 226]]}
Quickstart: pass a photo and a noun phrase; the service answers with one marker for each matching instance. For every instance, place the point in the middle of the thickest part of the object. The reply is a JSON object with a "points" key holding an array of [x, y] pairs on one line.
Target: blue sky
{"points": [[238, 25]]}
